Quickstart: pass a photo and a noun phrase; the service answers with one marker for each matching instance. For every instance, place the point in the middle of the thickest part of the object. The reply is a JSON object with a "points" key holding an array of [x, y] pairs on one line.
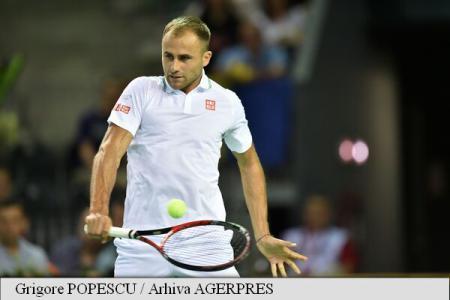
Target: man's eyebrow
{"points": [[185, 55]]}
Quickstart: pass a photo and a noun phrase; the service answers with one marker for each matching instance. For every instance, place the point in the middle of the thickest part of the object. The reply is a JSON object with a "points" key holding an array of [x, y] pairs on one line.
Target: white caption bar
{"points": [[238, 288]]}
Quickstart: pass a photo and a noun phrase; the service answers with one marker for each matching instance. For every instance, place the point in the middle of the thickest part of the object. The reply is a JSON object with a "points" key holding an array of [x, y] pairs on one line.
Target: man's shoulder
{"points": [[293, 234], [31, 249], [337, 232], [296, 230], [147, 82], [233, 52]]}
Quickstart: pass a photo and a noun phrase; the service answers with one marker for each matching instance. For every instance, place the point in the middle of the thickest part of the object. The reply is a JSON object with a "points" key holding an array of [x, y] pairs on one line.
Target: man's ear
{"points": [[206, 58]]}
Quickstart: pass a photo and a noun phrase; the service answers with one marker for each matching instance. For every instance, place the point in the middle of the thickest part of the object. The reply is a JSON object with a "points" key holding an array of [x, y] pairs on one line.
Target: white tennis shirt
{"points": [[176, 148]]}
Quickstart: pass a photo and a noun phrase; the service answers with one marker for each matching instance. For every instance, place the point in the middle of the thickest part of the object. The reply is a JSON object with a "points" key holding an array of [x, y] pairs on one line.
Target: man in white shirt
{"points": [[172, 129], [18, 257]]}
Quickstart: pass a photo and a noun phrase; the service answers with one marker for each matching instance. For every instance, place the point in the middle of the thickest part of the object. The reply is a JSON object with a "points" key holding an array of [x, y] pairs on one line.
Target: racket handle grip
{"points": [[116, 232], [119, 232]]}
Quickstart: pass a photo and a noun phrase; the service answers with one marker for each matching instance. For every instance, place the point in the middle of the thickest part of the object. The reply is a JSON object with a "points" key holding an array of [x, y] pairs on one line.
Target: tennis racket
{"points": [[205, 245]]}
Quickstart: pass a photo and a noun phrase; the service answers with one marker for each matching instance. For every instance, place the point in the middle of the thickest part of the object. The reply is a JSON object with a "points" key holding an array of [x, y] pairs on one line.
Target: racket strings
{"points": [[205, 245]]}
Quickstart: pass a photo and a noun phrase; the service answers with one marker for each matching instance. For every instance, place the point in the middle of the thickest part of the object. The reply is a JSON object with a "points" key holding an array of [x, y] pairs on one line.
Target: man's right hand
{"points": [[98, 226]]}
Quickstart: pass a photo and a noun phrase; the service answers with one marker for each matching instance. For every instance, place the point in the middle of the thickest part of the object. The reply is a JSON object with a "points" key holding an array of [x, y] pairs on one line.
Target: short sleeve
{"points": [[127, 113], [238, 137]]}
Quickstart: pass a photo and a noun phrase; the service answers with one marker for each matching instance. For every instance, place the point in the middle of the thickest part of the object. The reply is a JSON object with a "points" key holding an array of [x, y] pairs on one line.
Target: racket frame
{"points": [[169, 231]]}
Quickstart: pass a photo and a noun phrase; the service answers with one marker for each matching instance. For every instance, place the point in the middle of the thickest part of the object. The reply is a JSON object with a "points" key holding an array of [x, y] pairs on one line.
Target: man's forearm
{"points": [[104, 172], [254, 185]]}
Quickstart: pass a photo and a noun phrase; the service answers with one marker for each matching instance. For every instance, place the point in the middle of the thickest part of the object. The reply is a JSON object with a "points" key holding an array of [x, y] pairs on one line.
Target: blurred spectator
{"points": [[245, 8], [281, 25], [18, 257], [91, 129], [220, 16], [79, 255], [34, 170], [76, 255], [349, 214], [250, 60], [6, 188], [256, 70], [93, 124], [329, 249]]}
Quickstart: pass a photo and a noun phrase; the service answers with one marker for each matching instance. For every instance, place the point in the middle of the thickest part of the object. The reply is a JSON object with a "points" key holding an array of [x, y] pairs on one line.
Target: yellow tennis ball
{"points": [[176, 208]]}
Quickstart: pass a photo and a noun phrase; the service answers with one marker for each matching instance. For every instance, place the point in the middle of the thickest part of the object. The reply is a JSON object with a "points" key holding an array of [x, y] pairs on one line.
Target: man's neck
{"points": [[193, 85], [12, 247]]}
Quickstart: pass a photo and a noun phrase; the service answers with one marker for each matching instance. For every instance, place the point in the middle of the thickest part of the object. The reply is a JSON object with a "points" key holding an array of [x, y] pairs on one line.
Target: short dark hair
{"points": [[10, 202], [195, 24]]}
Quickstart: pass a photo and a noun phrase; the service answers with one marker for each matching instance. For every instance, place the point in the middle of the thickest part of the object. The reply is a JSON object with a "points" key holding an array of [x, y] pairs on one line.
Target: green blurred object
{"points": [[9, 129], [9, 121], [9, 74]]}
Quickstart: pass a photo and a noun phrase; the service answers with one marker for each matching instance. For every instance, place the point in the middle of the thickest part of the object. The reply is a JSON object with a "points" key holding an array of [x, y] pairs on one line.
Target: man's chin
{"points": [[176, 86]]}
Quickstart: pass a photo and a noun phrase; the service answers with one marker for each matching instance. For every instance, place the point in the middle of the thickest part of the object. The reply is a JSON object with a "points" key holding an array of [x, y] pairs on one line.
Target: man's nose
{"points": [[175, 66]]}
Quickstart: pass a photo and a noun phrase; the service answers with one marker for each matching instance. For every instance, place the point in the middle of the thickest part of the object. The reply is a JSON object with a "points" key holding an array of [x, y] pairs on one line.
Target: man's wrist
{"points": [[103, 212], [262, 237]]}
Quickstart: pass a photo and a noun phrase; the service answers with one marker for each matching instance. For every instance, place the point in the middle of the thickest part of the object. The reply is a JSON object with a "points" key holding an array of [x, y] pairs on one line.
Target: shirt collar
{"points": [[205, 83]]}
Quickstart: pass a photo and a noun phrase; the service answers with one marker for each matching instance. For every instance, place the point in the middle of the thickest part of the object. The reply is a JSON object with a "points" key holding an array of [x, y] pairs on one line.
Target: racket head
{"points": [[205, 245]]}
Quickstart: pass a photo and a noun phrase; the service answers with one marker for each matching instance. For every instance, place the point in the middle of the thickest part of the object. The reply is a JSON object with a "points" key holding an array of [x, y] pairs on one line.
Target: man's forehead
{"points": [[13, 209], [185, 41]]}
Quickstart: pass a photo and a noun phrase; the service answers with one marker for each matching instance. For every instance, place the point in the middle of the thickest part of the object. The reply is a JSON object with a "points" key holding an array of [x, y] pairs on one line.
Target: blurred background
{"points": [[347, 102]]}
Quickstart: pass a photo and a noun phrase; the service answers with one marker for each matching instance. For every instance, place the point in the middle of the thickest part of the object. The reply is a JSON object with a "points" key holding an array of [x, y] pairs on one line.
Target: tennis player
{"points": [[172, 128]]}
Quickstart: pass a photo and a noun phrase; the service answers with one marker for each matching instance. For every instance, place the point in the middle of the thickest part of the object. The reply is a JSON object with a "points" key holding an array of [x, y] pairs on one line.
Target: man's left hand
{"points": [[278, 253]]}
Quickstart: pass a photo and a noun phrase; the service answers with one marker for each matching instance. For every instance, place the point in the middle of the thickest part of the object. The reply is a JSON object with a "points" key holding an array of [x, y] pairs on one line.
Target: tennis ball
{"points": [[176, 208]]}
